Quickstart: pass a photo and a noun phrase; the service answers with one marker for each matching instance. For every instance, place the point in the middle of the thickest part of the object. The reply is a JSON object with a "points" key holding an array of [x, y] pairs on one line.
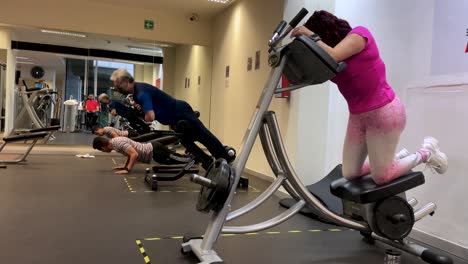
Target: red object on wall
{"points": [[284, 83], [466, 50], [158, 82]]}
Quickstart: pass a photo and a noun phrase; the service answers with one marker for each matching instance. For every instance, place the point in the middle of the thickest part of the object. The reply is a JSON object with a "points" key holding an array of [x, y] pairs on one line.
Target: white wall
{"points": [[238, 33], [450, 39], [168, 76], [429, 103], [193, 61], [5, 43], [49, 76], [312, 110]]}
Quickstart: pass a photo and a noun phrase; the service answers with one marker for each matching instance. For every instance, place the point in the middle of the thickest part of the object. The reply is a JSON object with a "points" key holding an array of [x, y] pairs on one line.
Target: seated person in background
{"points": [[112, 132], [159, 106], [142, 152], [92, 111]]}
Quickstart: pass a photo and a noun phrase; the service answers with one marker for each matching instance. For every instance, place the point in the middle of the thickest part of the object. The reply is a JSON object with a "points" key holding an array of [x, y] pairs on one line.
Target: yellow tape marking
{"points": [[153, 238]]}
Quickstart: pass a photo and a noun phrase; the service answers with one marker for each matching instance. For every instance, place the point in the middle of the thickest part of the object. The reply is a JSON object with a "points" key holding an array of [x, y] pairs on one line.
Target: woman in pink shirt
{"points": [[377, 117]]}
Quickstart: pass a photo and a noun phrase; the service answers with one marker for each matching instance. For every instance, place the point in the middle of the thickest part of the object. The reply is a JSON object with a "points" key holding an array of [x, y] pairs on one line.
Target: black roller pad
{"points": [[321, 190]]}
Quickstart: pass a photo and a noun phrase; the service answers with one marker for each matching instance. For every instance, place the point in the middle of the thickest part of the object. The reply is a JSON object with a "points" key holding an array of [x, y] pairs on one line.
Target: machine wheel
{"points": [[154, 183], [184, 252], [243, 183], [393, 218], [231, 153], [367, 237]]}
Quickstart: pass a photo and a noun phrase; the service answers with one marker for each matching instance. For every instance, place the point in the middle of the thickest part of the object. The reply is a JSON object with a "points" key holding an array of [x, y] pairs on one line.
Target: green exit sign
{"points": [[149, 24]]}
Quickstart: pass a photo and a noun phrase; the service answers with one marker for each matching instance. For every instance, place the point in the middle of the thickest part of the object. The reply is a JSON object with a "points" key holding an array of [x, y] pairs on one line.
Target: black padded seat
{"points": [[303, 55], [166, 133], [25, 136], [163, 136], [43, 129], [166, 140], [364, 190]]}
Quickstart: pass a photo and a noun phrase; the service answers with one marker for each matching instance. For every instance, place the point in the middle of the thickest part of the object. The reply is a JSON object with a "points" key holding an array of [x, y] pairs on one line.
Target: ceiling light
{"points": [[24, 62], [220, 1], [22, 58], [65, 33], [156, 44], [143, 49]]}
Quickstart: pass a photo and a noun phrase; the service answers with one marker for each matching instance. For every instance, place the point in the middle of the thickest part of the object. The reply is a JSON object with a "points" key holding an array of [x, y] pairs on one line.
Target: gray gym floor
{"points": [[62, 209], [76, 138]]}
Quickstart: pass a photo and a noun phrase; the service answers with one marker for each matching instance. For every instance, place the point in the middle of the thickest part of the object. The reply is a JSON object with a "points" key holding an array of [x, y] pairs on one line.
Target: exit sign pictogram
{"points": [[149, 24]]}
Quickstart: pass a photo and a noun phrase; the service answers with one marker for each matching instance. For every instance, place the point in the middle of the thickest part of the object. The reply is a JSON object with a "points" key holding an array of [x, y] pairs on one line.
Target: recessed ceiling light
{"points": [[156, 44], [22, 58], [64, 33], [220, 1], [24, 62], [143, 49]]}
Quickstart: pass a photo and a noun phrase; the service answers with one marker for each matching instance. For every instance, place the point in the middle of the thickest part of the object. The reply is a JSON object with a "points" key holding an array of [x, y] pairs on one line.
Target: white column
{"points": [[312, 103], [6, 36]]}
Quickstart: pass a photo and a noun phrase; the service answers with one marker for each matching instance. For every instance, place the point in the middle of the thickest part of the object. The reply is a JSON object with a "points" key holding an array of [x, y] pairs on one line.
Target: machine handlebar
{"points": [[280, 27], [283, 29], [298, 17]]}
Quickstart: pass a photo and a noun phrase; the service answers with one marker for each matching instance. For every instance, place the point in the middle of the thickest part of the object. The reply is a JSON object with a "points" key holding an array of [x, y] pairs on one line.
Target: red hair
{"points": [[329, 27]]}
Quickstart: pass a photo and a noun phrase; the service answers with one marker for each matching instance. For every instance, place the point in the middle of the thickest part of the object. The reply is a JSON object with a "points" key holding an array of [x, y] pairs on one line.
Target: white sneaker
{"points": [[402, 154], [430, 143], [437, 160]]}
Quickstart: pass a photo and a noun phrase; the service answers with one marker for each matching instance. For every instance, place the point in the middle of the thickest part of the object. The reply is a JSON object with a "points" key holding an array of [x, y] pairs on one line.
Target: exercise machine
{"points": [[380, 213], [37, 103], [195, 157], [20, 157]]}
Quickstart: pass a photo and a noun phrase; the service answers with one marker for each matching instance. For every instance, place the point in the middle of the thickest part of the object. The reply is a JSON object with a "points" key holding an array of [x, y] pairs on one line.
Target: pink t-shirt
{"points": [[363, 83]]}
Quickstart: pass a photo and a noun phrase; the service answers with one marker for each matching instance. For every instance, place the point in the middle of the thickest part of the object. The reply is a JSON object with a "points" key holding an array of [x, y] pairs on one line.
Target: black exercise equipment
{"points": [[215, 186], [50, 130], [173, 172], [132, 116], [34, 137], [169, 173], [321, 191]]}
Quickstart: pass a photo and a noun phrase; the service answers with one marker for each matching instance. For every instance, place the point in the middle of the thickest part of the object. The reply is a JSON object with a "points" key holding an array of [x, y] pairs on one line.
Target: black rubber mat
{"points": [[321, 190], [62, 209], [335, 247]]}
